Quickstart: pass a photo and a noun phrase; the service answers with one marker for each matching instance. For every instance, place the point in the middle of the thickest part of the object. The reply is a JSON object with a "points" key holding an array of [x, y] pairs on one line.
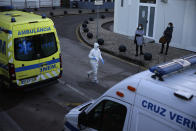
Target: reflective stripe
{"points": [[48, 75], [10, 44], [30, 67], [9, 54], [42, 77], [70, 126], [11, 60], [54, 73]]}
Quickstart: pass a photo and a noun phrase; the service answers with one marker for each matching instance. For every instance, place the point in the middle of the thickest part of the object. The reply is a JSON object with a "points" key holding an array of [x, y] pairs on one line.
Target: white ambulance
{"points": [[162, 98]]}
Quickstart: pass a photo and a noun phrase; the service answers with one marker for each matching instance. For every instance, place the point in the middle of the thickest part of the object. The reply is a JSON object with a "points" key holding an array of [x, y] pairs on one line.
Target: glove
{"points": [[102, 61]]}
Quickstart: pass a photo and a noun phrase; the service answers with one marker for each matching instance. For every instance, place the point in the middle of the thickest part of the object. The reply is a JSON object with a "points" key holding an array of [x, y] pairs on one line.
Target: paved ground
{"points": [[114, 40], [44, 108]]}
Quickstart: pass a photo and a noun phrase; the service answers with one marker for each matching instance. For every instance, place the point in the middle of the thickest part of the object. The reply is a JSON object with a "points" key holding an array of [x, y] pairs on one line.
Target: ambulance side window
{"points": [[107, 116]]}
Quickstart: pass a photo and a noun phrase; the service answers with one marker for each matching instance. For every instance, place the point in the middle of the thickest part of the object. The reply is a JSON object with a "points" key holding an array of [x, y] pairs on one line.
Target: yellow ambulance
{"points": [[29, 49]]}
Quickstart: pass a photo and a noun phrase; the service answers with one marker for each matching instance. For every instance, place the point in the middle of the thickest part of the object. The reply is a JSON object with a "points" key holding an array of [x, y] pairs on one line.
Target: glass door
{"points": [[146, 18], [143, 17]]}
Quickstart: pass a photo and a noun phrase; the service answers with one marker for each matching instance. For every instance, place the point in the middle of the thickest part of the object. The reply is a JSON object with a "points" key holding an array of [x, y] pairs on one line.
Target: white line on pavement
{"points": [[79, 92], [7, 123], [76, 90]]}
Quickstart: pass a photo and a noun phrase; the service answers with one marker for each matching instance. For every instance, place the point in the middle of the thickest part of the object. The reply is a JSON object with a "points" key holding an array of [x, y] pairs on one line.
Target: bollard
{"points": [[147, 56], [100, 41], [65, 12], [85, 30], [122, 48], [51, 14], [85, 22], [79, 11], [84, 25], [91, 19], [89, 35], [103, 16]]}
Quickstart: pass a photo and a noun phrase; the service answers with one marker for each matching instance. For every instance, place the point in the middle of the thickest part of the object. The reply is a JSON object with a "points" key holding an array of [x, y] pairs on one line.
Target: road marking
{"points": [[61, 82], [79, 92], [73, 104], [76, 90], [117, 58], [7, 120]]}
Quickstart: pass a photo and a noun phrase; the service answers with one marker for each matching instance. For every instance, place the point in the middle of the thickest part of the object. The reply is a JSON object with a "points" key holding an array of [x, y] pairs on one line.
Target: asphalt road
{"points": [[44, 108]]}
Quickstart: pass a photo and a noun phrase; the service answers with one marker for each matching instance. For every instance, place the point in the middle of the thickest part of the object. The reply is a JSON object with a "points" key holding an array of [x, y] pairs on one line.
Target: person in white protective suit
{"points": [[95, 56]]}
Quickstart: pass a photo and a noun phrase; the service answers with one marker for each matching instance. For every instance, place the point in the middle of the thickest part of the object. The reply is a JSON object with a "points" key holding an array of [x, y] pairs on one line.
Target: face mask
{"points": [[140, 27]]}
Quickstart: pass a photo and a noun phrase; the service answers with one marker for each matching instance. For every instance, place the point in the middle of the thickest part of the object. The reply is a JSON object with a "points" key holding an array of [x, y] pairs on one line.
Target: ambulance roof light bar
{"points": [[172, 66]]}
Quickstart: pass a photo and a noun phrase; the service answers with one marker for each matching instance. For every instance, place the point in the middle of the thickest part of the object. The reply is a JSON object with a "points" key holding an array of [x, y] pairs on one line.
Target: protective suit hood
{"points": [[96, 46]]}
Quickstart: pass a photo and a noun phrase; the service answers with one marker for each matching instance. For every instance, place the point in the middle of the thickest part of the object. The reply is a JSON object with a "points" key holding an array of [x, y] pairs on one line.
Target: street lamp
{"points": [[98, 3]]}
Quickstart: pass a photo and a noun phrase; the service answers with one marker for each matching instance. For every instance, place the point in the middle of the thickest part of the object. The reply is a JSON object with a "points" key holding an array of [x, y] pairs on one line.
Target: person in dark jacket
{"points": [[168, 36], [139, 39]]}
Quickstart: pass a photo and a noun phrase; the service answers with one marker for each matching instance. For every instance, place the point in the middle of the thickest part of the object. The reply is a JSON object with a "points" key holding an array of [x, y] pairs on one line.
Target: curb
{"points": [[132, 61]]}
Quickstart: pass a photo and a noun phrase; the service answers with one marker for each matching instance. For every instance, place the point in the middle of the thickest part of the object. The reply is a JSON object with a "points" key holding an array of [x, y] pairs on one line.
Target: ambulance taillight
{"points": [[12, 71]]}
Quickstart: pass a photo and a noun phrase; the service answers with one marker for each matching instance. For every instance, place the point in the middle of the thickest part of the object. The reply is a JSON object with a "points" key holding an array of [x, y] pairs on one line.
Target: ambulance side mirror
{"points": [[82, 120]]}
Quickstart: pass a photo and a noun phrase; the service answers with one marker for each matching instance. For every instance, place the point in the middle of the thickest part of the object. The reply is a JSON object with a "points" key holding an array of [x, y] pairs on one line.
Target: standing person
{"points": [[168, 36], [139, 39], [95, 56]]}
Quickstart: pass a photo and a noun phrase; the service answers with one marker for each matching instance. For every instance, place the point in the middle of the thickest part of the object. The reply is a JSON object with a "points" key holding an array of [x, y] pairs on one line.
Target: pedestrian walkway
{"points": [[112, 41]]}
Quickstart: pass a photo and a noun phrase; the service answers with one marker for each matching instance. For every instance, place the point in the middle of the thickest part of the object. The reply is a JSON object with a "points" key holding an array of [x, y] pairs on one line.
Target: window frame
{"points": [[49, 33], [127, 105]]}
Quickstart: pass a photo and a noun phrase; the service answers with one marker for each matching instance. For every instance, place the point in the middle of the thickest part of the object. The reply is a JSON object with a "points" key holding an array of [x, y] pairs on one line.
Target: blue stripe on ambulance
{"points": [[30, 67], [70, 126]]}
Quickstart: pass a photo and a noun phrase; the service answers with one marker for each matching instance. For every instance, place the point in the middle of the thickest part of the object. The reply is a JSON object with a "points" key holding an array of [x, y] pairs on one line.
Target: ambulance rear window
{"points": [[28, 48]]}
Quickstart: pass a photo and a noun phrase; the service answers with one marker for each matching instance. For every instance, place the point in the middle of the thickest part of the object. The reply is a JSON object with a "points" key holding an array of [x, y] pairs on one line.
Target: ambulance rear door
{"points": [[26, 54], [49, 52]]}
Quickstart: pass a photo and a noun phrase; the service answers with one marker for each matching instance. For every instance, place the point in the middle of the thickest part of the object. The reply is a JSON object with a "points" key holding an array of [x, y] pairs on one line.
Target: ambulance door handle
{"points": [[53, 58], [22, 65]]}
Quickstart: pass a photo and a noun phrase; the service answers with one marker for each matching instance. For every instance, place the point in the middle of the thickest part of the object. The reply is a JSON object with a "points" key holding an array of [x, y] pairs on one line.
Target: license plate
{"points": [[28, 81]]}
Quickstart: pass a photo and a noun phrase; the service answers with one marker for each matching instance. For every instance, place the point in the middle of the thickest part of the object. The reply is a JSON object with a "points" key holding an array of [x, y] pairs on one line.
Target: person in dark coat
{"points": [[139, 39], [168, 36]]}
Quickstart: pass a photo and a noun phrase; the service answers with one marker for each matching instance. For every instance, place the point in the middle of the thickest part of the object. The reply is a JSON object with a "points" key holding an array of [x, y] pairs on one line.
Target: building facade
{"points": [[89, 4], [155, 16], [20, 4]]}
